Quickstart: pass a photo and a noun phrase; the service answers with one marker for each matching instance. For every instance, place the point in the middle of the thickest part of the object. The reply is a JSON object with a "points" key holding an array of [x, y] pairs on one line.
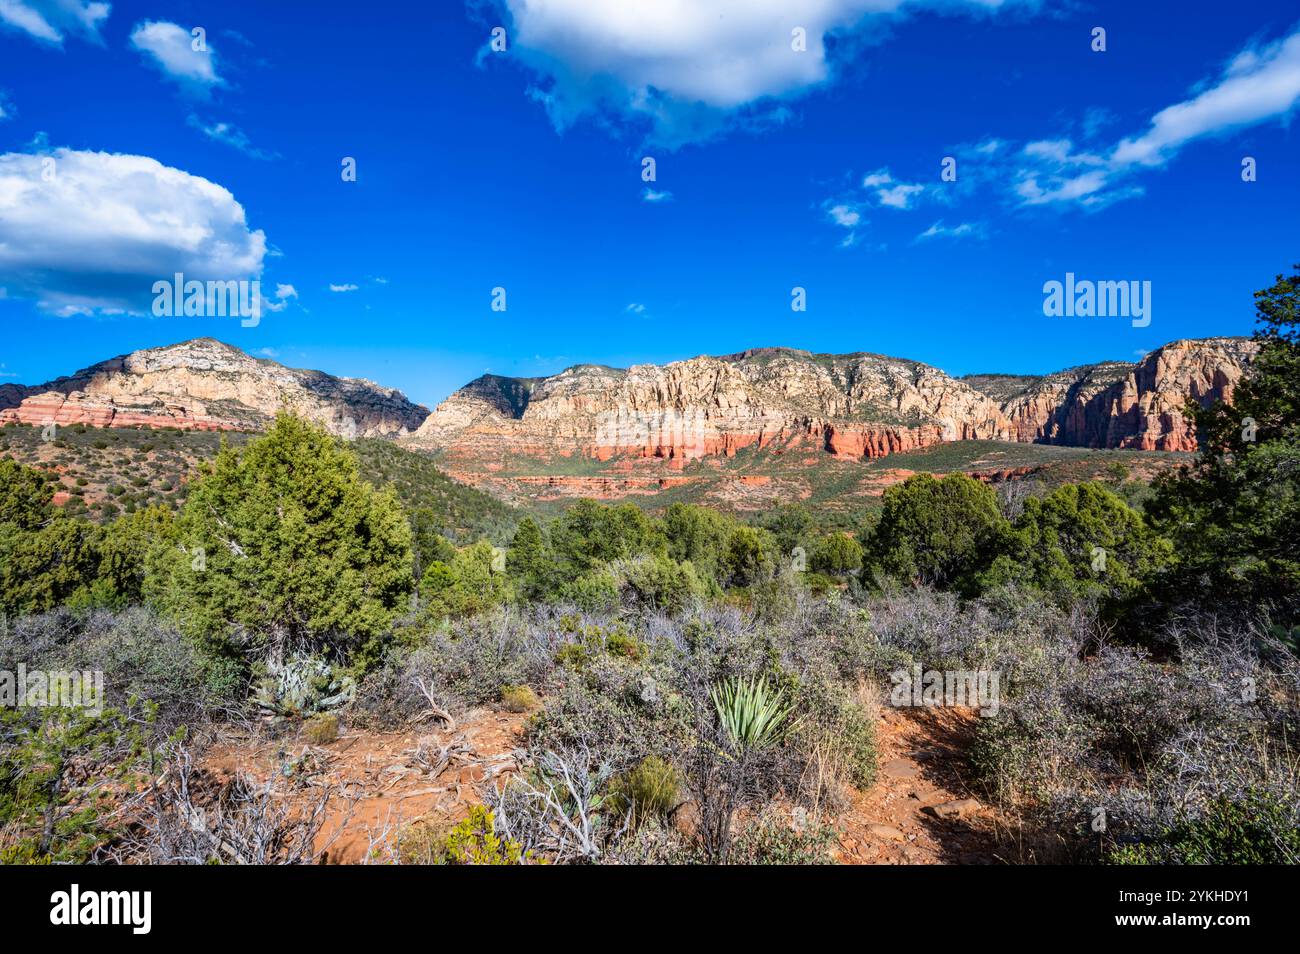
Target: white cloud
{"points": [[283, 293], [94, 230], [229, 135], [51, 20], [343, 288], [650, 195], [888, 191], [635, 308], [7, 110], [1260, 84], [899, 196], [844, 215], [168, 47], [687, 68], [939, 230]]}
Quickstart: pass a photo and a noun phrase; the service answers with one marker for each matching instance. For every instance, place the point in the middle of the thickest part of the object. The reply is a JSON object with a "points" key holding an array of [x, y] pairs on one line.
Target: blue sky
{"points": [[776, 167]]}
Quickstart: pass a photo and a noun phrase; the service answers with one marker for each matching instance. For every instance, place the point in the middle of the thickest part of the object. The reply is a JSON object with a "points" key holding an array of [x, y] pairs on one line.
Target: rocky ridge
{"points": [[204, 384], [850, 406]]}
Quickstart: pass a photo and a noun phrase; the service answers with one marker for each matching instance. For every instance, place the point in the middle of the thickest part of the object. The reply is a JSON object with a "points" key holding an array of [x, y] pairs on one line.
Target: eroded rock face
{"points": [[850, 406], [207, 385], [858, 405], [1139, 406]]}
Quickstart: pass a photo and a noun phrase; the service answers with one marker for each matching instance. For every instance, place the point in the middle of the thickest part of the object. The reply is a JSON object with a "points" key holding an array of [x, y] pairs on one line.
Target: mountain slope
{"points": [[204, 384], [850, 406]]}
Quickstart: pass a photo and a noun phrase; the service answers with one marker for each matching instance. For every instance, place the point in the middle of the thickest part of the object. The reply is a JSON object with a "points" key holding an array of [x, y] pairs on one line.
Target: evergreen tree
{"points": [[940, 532], [282, 546], [1234, 515]]}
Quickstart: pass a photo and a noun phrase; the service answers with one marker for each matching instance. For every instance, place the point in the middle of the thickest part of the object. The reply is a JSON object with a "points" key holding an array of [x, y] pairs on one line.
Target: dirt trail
{"points": [[382, 781], [921, 810]]}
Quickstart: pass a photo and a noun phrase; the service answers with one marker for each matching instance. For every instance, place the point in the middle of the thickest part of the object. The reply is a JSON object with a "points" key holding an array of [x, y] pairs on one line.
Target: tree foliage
{"points": [[281, 545]]}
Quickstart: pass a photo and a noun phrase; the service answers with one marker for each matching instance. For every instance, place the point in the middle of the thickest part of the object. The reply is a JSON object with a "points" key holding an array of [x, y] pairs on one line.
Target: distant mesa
{"points": [[815, 406], [847, 406]]}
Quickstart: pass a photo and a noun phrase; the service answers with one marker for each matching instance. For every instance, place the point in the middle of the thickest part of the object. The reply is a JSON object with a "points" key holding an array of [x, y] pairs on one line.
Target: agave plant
{"points": [[753, 713]]}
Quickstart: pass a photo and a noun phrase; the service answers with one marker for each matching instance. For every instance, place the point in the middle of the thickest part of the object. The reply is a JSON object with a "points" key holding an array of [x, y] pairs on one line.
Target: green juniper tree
{"points": [[282, 546]]}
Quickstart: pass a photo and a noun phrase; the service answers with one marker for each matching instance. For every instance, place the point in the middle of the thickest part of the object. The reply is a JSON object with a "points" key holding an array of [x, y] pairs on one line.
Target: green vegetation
{"points": [[687, 683], [283, 542]]}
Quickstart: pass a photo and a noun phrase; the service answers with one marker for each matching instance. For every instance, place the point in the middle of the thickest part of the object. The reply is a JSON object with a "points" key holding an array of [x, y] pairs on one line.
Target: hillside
{"points": [[206, 385], [102, 472]]}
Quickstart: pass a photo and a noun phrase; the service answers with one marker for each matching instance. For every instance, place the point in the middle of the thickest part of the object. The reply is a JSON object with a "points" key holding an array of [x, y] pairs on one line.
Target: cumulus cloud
{"points": [[343, 288], [49, 21], [688, 69], [651, 195], [229, 135], [84, 232], [169, 48], [1260, 84]]}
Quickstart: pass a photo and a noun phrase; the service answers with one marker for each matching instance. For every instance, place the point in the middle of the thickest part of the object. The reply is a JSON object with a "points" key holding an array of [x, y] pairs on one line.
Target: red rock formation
{"points": [[1129, 405], [79, 408]]}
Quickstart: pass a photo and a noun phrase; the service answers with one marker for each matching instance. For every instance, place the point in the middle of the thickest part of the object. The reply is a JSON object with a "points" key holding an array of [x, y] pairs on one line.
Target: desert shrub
{"points": [[839, 726], [519, 699], [464, 664], [594, 592], [141, 656], [1139, 742], [56, 763], [657, 583], [618, 709], [1258, 829], [648, 790], [321, 729], [774, 843]]}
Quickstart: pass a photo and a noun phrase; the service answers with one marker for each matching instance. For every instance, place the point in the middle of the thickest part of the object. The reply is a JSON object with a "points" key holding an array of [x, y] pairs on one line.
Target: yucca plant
{"points": [[753, 713]]}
